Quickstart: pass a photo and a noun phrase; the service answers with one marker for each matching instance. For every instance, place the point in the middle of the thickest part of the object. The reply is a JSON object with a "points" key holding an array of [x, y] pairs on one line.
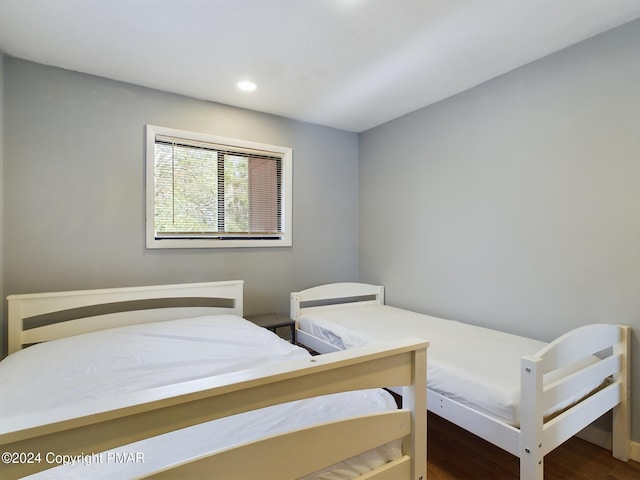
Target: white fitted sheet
{"points": [[105, 364], [475, 366]]}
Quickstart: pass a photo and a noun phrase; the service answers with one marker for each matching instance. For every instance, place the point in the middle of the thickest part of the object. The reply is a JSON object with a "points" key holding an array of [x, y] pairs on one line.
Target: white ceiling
{"points": [[349, 64]]}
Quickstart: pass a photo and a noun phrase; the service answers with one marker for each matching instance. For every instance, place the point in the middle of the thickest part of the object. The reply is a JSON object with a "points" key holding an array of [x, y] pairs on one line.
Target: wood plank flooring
{"points": [[455, 454]]}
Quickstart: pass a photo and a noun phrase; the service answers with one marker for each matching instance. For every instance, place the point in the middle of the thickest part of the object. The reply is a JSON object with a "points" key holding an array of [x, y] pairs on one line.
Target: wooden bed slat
{"points": [[335, 291], [399, 468], [101, 322], [294, 454], [578, 344], [567, 424], [341, 290], [583, 380]]}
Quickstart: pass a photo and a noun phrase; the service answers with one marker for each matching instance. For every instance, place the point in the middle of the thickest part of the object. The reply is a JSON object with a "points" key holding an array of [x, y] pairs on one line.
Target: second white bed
{"points": [[476, 366], [520, 394]]}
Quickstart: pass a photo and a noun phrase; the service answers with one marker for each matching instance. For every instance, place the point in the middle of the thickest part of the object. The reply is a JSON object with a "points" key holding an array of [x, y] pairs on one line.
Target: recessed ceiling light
{"points": [[247, 86]]}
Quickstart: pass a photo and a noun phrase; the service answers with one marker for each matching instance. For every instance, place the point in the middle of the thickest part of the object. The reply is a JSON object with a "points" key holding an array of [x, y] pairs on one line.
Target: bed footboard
{"points": [[103, 425], [609, 375]]}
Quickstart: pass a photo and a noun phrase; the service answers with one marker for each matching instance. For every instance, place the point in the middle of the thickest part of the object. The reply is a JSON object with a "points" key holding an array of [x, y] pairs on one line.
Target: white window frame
{"points": [[287, 192]]}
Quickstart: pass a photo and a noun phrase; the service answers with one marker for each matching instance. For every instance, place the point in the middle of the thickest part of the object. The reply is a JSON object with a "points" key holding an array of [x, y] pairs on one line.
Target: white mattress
{"points": [[111, 362], [475, 366]]}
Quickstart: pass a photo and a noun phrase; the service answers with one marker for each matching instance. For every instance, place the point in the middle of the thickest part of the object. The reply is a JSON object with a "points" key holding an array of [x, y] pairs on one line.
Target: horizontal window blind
{"points": [[207, 190]]}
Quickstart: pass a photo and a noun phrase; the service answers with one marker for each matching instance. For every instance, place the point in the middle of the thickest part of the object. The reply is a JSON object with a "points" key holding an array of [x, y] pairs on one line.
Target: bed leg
{"points": [[531, 467], [414, 398], [531, 424], [621, 420]]}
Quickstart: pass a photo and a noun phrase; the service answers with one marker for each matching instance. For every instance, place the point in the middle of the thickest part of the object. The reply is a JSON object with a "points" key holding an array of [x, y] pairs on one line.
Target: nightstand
{"points": [[274, 321]]}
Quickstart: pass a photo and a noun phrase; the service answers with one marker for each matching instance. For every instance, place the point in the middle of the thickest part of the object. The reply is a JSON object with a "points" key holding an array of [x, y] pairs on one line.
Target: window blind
{"points": [[205, 190]]}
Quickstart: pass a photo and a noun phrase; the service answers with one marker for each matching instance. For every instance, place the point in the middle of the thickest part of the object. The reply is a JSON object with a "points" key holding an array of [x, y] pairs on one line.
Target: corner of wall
{"points": [[2, 293]]}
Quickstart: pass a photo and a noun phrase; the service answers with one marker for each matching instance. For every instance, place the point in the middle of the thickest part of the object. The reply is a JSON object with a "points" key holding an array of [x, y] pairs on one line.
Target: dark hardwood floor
{"points": [[455, 454]]}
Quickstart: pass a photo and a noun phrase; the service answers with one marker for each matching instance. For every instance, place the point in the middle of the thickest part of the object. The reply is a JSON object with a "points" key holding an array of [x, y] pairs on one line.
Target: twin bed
{"points": [[171, 382], [522, 395]]}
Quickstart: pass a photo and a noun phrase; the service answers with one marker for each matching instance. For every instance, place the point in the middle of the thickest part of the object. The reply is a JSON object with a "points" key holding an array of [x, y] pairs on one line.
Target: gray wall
{"points": [[74, 167], [516, 205]]}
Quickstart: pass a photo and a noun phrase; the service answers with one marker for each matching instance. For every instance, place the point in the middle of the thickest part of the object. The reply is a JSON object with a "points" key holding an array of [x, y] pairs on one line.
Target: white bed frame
{"points": [[536, 436], [24, 308], [105, 424]]}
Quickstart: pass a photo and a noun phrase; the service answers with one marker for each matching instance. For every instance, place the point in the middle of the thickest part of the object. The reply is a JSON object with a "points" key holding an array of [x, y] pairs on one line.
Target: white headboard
{"points": [[84, 311], [335, 293]]}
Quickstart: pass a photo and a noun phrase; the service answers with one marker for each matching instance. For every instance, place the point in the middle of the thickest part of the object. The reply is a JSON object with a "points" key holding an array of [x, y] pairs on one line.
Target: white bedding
{"points": [[111, 362], [475, 366]]}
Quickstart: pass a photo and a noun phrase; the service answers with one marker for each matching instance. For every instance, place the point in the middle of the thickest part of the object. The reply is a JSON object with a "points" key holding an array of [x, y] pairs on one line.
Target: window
{"points": [[207, 191]]}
